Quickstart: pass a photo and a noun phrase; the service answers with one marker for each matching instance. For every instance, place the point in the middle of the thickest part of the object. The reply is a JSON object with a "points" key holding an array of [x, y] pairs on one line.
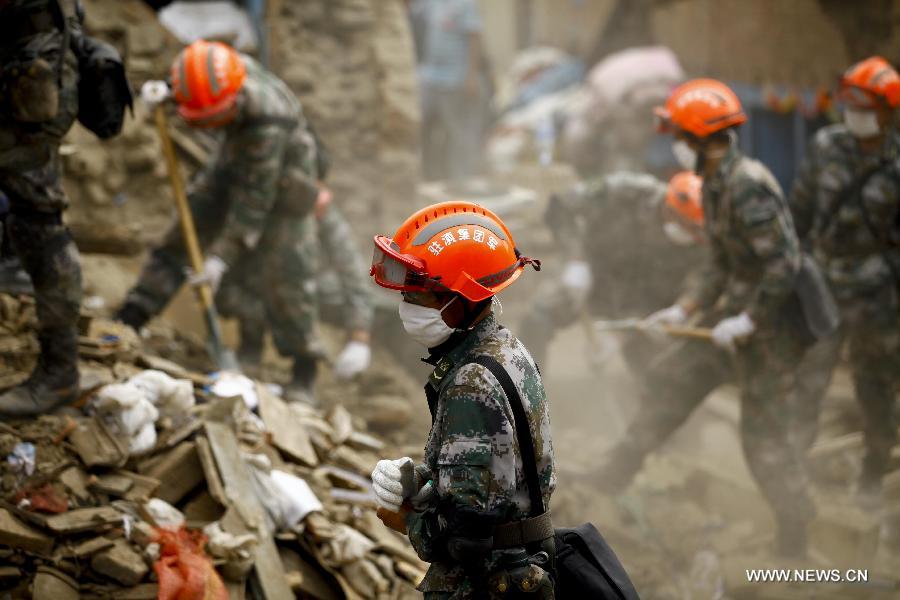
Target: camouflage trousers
{"points": [[239, 298], [870, 329], [680, 378], [31, 177], [279, 273]]}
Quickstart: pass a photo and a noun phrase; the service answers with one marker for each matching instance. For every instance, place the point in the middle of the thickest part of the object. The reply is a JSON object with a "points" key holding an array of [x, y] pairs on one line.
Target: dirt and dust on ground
{"points": [[693, 521]]}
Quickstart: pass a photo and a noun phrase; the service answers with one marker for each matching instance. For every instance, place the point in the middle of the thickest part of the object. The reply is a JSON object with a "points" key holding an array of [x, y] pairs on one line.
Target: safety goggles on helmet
{"points": [[858, 97], [398, 271]]}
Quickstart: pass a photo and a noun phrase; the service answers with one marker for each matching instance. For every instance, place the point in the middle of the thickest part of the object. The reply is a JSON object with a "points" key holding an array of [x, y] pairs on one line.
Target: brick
{"points": [[120, 563], [17, 534], [181, 471]]}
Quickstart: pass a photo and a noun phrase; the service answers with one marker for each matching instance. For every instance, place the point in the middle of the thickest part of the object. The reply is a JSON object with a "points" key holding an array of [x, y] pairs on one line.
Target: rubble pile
{"points": [[164, 478]]}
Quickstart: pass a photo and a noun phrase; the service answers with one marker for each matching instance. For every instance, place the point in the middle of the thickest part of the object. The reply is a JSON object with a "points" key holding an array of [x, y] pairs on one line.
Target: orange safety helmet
{"points": [[206, 79], [451, 246], [700, 107], [869, 82], [684, 197]]}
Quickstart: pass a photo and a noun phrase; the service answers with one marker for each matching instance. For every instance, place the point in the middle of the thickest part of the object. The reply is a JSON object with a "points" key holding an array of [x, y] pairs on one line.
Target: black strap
{"points": [[852, 190], [523, 431]]}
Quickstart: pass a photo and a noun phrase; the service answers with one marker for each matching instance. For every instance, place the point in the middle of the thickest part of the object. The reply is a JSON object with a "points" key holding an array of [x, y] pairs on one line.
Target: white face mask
{"points": [[862, 123], [685, 156], [424, 324], [678, 235]]}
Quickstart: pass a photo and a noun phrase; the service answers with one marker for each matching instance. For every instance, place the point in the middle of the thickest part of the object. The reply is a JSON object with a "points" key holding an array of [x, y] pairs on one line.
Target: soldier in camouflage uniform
{"points": [[343, 296], [38, 104], [460, 504], [747, 294], [253, 204], [846, 203], [633, 235]]}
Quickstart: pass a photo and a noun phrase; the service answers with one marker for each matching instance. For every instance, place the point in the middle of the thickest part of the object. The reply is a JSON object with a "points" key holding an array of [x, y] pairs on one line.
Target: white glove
{"points": [[353, 359], [673, 315], [213, 270], [577, 277], [733, 329], [393, 481], [154, 92]]}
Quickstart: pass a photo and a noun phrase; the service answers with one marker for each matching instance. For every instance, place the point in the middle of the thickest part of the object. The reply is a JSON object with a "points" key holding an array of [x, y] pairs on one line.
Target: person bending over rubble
{"points": [[477, 509], [253, 204], [342, 293], [632, 234]]}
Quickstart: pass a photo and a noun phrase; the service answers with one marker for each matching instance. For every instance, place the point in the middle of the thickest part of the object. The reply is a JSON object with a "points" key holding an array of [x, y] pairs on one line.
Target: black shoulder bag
{"points": [[586, 566]]}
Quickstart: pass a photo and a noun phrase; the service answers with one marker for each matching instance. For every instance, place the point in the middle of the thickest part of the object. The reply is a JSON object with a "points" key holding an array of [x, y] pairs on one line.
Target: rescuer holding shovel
{"points": [[253, 204]]}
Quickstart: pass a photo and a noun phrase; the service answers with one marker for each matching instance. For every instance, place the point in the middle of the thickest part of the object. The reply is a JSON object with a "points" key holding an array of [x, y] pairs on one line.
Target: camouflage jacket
{"points": [[341, 255], [835, 228], [264, 166], [615, 222], [472, 454], [755, 254]]}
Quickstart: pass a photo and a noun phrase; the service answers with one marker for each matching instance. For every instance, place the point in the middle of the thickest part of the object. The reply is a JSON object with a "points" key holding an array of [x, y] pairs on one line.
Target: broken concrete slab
{"points": [[91, 547], [120, 563], [53, 584], [84, 519], [288, 432], [180, 468], [16, 534], [143, 489], [97, 445], [113, 485]]}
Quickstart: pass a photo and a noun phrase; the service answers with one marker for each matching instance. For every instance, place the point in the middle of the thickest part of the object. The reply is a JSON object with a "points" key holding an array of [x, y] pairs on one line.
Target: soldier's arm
{"points": [[764, 223], [344, 257], [252, 160]]}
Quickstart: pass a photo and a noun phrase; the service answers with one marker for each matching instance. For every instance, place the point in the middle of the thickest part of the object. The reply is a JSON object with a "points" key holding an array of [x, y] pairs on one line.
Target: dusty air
{"points": [[449, 299]]}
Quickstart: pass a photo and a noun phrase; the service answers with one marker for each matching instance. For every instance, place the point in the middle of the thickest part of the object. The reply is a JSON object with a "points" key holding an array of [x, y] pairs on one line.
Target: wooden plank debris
{"points": [[268, 568]]}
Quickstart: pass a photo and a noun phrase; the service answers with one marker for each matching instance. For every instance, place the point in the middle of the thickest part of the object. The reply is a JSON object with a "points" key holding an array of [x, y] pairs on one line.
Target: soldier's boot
{"points": [[54, 381], [300, 389], [791, 538], [132, 315], [619, 467]]}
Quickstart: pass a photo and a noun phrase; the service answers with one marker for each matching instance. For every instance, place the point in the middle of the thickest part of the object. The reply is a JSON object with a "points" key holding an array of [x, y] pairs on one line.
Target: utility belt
{"points": [[522, 533]]}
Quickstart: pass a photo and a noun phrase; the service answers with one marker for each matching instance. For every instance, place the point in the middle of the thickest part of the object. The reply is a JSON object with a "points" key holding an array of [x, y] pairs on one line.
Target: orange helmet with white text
{"points": [[206, 79], [451, 246], [684, 197], [869, 82], [701, 107]]}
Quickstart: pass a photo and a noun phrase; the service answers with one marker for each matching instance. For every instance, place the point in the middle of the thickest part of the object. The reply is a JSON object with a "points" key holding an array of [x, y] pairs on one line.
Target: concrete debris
{"points": [[201, 472]]}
